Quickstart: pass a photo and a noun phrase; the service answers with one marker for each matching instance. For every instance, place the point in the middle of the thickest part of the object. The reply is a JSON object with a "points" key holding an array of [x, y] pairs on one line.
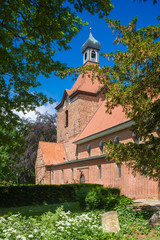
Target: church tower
{"points": [[79, 103], [90, 50]]}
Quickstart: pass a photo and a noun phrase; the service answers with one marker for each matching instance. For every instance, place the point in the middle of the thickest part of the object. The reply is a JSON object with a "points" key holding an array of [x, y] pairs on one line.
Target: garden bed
{"points": [[75, 224]]}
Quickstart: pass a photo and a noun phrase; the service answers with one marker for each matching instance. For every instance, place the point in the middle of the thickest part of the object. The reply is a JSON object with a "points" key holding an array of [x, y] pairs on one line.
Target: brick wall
{"points": [[40, 168], [131, 186], [124, 137], [79, 113]]}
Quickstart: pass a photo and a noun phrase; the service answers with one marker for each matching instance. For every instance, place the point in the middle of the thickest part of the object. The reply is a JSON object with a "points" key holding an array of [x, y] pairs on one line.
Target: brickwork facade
{"points": [[91, 168], [82, 129], [40, 168], [80, 110], [96, 169], [124, 137], [132, 186]]}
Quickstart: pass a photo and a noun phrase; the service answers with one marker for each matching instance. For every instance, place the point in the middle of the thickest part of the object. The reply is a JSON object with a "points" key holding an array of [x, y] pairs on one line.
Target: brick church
{"points": [[82, 128]]}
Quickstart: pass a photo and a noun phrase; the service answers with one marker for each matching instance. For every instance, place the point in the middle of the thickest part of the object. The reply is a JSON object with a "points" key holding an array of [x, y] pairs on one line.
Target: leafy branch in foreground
{"points": [[31, 32], [143, 158], [134, 83]]}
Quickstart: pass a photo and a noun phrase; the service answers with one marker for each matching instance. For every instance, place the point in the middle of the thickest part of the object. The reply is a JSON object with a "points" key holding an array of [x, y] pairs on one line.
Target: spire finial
{"points": [[90, 26]]}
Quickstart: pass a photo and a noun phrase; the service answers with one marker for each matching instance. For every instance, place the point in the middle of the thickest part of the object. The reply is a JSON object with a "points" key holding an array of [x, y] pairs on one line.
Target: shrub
{"points": [[25, 195], [100, 197], [123, 202], [82, 192]]}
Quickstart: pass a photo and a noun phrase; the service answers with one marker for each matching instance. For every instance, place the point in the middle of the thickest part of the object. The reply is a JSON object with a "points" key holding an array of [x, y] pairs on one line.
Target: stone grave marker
{"points": [[110, 222], [155, 219]]}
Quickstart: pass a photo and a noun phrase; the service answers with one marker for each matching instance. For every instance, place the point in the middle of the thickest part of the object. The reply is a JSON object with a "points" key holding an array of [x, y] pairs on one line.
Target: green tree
{"points": [[134, 83], [31, 31], [8, 168], [43, 129]]}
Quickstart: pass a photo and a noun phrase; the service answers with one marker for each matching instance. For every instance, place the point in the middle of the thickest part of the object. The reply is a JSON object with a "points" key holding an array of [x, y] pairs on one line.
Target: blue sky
{"points": [[125, 11]]}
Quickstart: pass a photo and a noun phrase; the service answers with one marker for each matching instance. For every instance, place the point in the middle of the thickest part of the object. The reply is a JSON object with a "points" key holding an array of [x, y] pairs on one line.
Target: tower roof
{"points": [[83, 85], [91, 43]]}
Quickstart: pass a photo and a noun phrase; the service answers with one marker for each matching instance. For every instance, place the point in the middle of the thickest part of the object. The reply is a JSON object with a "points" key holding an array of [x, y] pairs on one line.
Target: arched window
{"points": [[72, 173], [119, 170], [66, 112], [99, 172], [116, 140], [77, 151], [52, 174], [82, 178], [135, 137], [89, 149], [101, 146], [93, 54], [85, 56]]}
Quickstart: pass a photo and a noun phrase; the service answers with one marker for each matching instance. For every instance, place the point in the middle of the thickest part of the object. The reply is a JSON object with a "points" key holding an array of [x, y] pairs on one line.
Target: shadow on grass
{"points": [[147, 214], [35, 211]]}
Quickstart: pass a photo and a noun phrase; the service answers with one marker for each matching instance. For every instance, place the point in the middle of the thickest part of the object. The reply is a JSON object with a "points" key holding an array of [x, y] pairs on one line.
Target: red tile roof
{"points": [[53, 153], [102, 121], [83, 84]]}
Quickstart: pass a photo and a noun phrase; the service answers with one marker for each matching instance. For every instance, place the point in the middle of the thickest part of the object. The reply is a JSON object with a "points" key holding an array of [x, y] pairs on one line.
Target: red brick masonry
{"points": [[87, 125]]}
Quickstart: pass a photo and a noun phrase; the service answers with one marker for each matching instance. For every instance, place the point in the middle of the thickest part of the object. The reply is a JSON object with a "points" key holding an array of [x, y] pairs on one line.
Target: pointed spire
{"points": [[90, 49], [91, 43]]}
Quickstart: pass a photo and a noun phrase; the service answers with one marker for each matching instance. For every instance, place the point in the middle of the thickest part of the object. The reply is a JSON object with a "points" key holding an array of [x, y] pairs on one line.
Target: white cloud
{"points": [[47, 108]]}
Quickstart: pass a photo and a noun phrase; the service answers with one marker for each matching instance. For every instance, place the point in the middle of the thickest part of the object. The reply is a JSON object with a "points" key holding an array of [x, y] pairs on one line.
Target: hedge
{"points": [[101, 195], [25, 195], [101, 198]]}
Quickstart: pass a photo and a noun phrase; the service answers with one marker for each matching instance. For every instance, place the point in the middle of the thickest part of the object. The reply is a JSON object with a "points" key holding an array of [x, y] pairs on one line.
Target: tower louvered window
{"points": [[93, 54], [66, 112]]}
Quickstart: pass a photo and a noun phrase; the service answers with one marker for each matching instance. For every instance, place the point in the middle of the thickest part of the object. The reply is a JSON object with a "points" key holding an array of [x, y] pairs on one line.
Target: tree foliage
{"points": [[43, 129], [18, 164], [134, 83], [31, 32], [8, 169]]}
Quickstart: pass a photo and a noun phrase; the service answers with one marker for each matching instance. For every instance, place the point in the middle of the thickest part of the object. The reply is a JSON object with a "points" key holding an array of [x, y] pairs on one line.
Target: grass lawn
{"points": [[33, 211], [51, 222]]}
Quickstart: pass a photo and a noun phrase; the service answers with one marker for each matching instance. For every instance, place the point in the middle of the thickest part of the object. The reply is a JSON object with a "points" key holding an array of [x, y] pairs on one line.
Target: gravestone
{"points": [[110, 222], [155, 219]]}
